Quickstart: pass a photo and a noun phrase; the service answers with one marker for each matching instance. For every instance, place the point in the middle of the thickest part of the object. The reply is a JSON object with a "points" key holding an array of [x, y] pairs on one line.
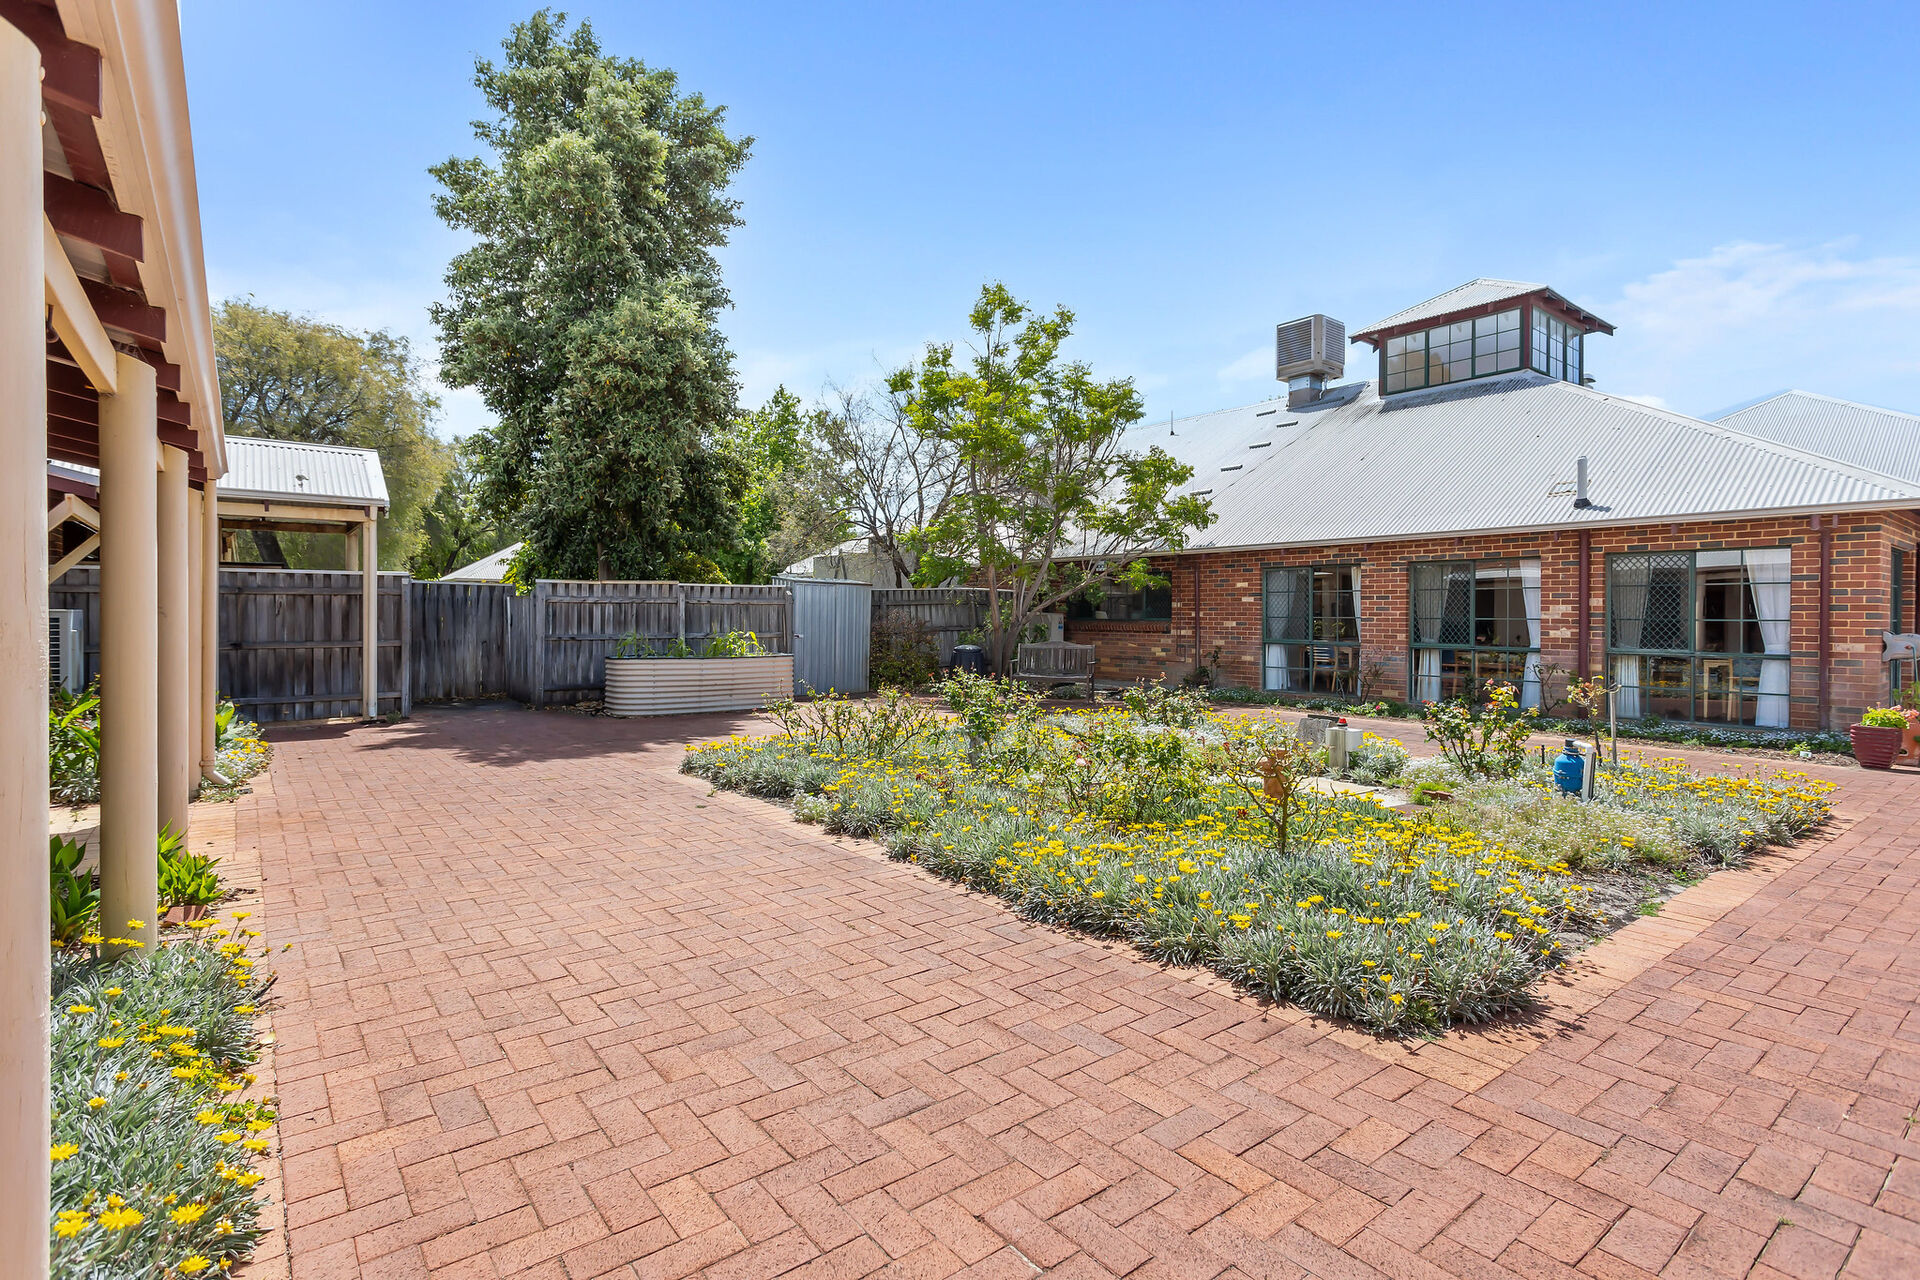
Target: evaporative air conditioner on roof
{"points": [[66, 649], [1306, 352]]}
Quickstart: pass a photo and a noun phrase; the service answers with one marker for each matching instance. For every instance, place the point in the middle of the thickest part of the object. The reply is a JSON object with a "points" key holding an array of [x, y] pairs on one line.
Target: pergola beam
{"points": [[73, 507], [74, 318]]}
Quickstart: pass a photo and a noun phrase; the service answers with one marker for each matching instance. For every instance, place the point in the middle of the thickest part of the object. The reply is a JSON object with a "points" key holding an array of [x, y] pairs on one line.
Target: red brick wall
{"points": [[1227, 585]]}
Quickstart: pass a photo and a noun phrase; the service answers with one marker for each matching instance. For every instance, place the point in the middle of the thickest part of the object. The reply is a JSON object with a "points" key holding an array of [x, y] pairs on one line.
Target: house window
{"points": [[1155, 604], [1702, 635], [1474, 348], [1475, 622], [1897, 673], [1556, 347], [1312, 629]]}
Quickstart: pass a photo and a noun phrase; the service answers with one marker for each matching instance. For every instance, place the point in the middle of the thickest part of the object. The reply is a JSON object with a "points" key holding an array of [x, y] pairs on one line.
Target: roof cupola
{"points": [[1480, 329]]}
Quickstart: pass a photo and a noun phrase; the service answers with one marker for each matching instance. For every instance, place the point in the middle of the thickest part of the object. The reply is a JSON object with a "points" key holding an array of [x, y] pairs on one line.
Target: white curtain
{"points": [[1279, 673], [1629, 616], [1429, 607], [1530, 588], [1356, 602], [1770, 575]]}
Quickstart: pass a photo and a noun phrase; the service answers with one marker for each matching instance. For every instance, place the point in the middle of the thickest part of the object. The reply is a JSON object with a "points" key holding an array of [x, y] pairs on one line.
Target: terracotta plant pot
{"points": [[1910, 741], [1874, 746], [182, 914]]}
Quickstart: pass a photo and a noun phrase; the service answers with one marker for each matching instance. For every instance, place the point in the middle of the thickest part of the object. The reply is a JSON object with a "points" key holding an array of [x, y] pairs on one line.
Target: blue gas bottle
{"points": [[1570, 769]]}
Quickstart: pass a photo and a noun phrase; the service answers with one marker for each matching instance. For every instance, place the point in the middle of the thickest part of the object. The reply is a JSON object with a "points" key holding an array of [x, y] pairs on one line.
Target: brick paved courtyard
{"points": [[554, 1011]]}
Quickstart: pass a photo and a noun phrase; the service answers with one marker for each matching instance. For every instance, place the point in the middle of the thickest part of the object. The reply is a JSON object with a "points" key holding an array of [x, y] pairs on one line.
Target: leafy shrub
{"points": [[73, 746], [1376, 760], [902, 651], [880, 726], [1488, 740], [1884, 718], [734, 644], [150, 1171], [72, 894]]}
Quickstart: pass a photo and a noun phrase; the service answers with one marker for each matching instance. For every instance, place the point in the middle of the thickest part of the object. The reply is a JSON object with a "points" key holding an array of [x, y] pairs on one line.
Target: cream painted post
{"points": [[370, 615], [175, 692], [196, 581], [209, 643], [129, 653], [24, 1098]]}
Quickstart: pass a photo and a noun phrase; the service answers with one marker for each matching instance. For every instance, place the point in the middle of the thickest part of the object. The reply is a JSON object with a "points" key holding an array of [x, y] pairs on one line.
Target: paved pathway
{"points": [[554, 1011]]}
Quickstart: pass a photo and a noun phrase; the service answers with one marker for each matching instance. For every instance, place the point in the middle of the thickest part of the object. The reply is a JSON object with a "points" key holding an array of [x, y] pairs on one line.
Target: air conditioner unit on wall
{"points": [[67, 649]]}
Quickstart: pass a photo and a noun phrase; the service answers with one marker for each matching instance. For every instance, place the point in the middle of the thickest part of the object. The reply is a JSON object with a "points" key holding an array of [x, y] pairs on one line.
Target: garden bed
{"points": [[153, 1140], [1161, 822]]}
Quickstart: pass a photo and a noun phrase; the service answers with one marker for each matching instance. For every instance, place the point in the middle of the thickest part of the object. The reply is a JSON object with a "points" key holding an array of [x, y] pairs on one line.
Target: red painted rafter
{"points": [[89, 215], [72, 78], [128, 313]]}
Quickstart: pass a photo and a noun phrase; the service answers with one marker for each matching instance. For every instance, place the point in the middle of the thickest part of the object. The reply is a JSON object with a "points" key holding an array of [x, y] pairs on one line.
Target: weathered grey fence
{"points": [[290, 639], [463, 642], [576, 624], [948, 612], [833, 628], [290, 643]]}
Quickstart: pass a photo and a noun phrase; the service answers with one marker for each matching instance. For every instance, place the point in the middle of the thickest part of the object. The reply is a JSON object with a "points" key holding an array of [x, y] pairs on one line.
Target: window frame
{"points": [[1693, 656], [1079, 600], [1312, 571], [1415, 645], [1472, 339]]}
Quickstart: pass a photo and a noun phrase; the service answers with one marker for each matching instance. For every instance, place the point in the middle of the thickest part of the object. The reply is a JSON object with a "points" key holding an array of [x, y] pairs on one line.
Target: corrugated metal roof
{"points": [[491, 568], [1473, 293], [1495, 454], [290, 471], [1879, 439]]}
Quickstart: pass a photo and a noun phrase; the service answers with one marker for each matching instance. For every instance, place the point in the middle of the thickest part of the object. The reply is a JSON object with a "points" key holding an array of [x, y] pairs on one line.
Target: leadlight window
{"points": [[1557, 347], [1475, 622], [1455, 352], [1702, 635], [1312, 628]]}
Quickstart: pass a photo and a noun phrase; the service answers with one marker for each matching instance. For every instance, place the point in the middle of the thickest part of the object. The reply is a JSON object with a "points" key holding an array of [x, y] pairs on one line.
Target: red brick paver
{"points": [[554, 1011]]}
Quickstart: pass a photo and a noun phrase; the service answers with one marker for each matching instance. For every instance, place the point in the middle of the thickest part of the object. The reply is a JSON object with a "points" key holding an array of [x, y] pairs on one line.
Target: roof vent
{"points": [[1306, 352]]}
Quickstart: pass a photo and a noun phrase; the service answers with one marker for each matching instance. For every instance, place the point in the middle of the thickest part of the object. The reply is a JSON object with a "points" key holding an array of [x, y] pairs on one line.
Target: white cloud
{"points": [[1748, 318], [1256, 365]]}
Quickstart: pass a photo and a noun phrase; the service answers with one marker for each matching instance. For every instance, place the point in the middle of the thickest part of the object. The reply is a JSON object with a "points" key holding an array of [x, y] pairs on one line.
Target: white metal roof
{"points": [[1881, 439], [491, 568], [291, 471], [1492, 455], [1473, 293]]}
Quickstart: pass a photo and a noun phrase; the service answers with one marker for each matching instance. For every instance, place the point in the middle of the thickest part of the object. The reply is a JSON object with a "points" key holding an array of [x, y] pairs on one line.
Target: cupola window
{"points": [[1475, 348]]}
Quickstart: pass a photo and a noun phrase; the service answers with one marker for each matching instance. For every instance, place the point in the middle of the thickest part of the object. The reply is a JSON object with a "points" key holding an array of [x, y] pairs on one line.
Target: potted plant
{"points": [[1878, 736], [731, 672]]}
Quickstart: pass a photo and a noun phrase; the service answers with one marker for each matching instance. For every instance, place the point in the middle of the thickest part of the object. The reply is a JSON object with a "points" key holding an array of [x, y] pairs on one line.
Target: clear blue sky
{"points": [[1734, 185]]}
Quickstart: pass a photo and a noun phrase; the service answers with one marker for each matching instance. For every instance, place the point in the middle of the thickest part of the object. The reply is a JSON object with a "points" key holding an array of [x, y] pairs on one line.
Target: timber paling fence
{"points": [[947, 612], [290, 639]]}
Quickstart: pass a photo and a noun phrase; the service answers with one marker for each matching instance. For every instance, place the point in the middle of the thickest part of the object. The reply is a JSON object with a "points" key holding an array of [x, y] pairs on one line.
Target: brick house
{"points": [[1477, 511]]}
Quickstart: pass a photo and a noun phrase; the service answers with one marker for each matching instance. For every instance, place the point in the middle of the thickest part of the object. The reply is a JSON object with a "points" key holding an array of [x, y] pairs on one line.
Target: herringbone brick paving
{"points": [[553, 1011]]}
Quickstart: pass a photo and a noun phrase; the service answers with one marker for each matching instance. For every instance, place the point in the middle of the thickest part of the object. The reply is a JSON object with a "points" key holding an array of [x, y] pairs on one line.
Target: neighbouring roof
{"points": [[1474, 293], [1495, 454], [491, 568], [289, 471], [1879, 439]]}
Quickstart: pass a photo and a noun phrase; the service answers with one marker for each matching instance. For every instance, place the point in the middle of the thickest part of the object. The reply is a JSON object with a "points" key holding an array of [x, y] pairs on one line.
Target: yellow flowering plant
{"points": [[149, 1053], [1402, 922]]}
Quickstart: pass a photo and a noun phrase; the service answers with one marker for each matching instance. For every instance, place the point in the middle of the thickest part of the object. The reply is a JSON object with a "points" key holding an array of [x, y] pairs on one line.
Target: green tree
{"points": [[585, 312], [1046, 501], [458, 529], [790, 506], [298, 378]]}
